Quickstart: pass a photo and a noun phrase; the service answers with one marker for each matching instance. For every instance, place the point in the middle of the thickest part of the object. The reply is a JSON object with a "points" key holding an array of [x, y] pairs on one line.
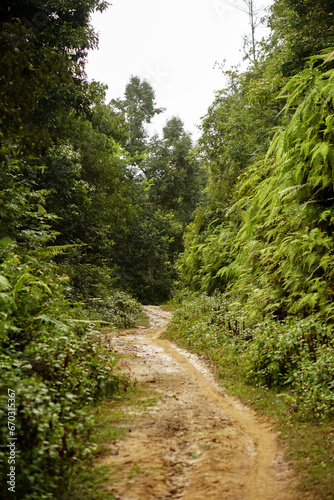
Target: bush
{"points": [[96, 287], [278, 348], [118, 308], [313, 385], [57, 367]]}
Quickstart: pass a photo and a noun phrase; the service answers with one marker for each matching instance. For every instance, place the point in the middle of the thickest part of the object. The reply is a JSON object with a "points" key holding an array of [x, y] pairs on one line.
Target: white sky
{"points": [[173, 44]]}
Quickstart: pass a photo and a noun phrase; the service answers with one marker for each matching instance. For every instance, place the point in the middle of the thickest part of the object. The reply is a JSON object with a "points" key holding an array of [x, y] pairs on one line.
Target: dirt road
{"points": [[196, 442]]}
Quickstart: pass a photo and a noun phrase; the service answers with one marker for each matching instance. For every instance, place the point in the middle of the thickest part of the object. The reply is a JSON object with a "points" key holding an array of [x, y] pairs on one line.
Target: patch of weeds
{"points": [[117, 414], [141, 398], [311, 447], [89, 483], [109, 426], [135, 470], [149, 402], [171, 306]]}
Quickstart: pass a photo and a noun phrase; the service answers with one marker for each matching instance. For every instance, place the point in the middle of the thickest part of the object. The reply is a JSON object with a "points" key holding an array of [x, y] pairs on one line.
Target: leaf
{"points": [[290, 189], [56, 250], [4, 283], [329, 58], [6, 242], [49, 319], [322, 150], [41, 210], [29, 279]]}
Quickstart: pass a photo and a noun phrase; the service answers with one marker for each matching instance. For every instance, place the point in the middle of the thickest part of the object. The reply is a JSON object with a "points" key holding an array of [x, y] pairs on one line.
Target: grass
{"points": [[143, 320], [134, 471], [112, 423], [170, 306], [89, 479], [309, 444], [88, 484]]}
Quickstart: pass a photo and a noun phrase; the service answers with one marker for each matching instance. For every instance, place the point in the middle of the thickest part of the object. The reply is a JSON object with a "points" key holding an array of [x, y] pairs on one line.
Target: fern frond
{"points": [[28, 279], [4, 283], [55, 250]]}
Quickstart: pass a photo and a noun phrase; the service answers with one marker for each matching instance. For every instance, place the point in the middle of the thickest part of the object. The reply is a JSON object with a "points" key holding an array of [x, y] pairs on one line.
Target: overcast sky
{"points": [[174, 44]]}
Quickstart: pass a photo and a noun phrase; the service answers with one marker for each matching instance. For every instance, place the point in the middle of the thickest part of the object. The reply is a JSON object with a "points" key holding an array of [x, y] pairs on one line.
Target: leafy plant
{"points": [[56, 368]]}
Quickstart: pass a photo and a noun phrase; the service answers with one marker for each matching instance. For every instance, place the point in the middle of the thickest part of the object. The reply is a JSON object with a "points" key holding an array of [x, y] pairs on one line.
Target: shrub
{"points": [[278, 348], [118, 308], [56, 366], [313, 384], [96, 287]]}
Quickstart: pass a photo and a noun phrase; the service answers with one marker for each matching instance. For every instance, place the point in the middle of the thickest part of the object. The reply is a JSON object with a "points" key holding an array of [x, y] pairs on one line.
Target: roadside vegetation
{"points": [[92, 212], [283, 369]]}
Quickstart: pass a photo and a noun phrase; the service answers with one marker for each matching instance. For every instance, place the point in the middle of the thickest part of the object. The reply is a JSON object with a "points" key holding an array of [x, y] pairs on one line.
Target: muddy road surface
{"points": [[195, 442]]}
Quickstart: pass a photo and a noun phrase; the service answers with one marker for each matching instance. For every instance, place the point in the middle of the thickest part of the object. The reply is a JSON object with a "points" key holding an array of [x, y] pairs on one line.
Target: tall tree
{"points": [[301, 29], [139, 107], [254, 15], [172, 172]]}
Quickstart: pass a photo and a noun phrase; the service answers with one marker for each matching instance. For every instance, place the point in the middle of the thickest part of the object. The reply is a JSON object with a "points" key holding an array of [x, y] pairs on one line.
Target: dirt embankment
{"points": [[196, 442]]}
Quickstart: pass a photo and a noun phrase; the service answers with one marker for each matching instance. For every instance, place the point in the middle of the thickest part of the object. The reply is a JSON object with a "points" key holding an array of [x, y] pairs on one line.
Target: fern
{"points": [[4, 283], [27, 279], [280, 245], [52, 251], [273, 252]]}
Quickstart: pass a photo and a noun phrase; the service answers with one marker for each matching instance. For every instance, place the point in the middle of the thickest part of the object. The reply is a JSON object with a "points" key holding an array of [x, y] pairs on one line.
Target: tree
{"points": [[139, 108], [42, 51], [301, 30], [248, 7], [173, 173]]}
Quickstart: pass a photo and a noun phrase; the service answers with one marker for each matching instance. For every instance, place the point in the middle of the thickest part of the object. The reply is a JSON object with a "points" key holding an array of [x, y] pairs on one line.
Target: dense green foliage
{"points": [[263, 231], [295, 356], [262, 235], [92, 213], [286, 209], [56, 366]]}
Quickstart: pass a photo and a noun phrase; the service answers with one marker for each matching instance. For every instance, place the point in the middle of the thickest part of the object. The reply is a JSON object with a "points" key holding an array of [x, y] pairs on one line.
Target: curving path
{"points": [[196, 442]]}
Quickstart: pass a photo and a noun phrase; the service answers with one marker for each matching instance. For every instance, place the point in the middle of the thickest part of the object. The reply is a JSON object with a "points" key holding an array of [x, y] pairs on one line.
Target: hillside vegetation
{"points": [[262, 235]]}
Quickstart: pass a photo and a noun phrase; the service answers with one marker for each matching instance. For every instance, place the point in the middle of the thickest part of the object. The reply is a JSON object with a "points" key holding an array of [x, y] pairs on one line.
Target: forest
{"points": [[98, 217]]}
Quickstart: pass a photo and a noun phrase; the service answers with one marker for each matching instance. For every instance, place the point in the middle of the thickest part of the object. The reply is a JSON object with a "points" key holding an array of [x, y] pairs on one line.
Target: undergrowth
{"points": [[96, 289], [55, 366]]}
